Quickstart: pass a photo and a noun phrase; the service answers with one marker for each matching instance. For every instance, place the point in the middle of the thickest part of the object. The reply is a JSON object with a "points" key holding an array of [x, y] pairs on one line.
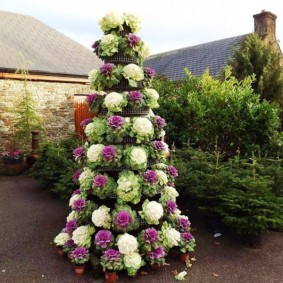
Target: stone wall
{"points": [[55, 104]]}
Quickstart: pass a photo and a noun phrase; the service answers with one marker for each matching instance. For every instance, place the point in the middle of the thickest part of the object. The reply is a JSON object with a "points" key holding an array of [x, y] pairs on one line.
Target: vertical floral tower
{"points": [[124, 210]]}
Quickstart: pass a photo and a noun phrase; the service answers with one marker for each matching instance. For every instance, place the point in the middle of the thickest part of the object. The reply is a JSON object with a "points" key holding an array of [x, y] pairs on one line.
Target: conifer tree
{"points": [[265, 62]]}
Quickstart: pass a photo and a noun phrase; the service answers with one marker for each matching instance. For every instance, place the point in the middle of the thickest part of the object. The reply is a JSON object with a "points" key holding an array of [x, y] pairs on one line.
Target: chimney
{"points": [[265, 26]]}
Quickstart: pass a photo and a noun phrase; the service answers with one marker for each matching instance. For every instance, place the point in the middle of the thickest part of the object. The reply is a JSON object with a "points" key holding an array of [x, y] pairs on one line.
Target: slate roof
{"points": [[211, 55], [50, 51]]}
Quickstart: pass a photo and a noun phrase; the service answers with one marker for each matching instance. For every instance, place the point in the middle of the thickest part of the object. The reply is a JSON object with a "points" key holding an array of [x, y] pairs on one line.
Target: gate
{"points": [[81, 112]]}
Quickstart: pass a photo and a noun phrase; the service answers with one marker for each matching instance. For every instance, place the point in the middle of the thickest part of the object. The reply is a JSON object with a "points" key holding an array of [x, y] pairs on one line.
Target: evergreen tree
{"points": [[265, 62]]}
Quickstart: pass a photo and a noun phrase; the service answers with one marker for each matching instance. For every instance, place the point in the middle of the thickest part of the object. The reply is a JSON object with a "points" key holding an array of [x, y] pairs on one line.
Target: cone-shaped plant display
{"points": [[124, 210]]}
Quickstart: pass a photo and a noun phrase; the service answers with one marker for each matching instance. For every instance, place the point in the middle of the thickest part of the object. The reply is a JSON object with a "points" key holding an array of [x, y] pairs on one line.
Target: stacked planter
{"points": [[125, 208]]}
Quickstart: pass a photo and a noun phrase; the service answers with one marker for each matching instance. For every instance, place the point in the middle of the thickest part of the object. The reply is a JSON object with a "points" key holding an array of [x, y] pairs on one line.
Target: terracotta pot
{"points": [[184, 257], [110, 276], [79, 269], [60, 252], [155, 266]]}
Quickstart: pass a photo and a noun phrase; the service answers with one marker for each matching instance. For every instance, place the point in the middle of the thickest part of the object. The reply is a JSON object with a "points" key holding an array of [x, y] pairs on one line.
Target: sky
{"points": [[166, 24]]}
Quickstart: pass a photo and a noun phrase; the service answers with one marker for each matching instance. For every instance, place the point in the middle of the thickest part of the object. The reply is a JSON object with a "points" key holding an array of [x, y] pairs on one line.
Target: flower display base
{"points": [[120, 58], [110, 277], [184, 257], [79, 270], [60, 252]]}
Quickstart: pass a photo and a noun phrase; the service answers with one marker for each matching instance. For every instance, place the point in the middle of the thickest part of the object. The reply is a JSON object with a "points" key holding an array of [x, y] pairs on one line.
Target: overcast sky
{"points": [[167, 24]]}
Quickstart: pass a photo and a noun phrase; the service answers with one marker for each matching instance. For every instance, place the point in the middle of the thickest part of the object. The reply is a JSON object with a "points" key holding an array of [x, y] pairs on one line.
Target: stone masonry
{"points": [[55, 105]]}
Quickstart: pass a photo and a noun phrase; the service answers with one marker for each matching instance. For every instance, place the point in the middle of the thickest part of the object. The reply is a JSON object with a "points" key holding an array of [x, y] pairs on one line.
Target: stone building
{"points": [[57, 67]]}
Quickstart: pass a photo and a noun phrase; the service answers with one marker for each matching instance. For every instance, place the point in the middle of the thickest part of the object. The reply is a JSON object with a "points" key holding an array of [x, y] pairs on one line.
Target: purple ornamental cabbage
{"points": [[71, 226], [108, 152], [79, 153], [156, 253], [112, 254], [76, 176], [80, 252], [95, 44], [187, 236], [150, 176], [158, 145], [184, 223], [150, 72], [133, 39], [103, 238], [172, 171], [76, 192], [70, 243], [135, 96], [91, 98], [99, 181], [79, 204], [123, 219], [160, 122], [151, 235], [106, 69], [85, 122], [171, 206], [115, 122]]}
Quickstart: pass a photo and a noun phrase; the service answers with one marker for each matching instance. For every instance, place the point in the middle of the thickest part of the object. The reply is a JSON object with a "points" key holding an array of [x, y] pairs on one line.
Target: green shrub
{"points": [[206, 111], [243, 192], [55, 167]]}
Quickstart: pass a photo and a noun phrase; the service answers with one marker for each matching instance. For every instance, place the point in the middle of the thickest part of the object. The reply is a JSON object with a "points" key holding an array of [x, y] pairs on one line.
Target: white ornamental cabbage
{"points": [[61, 239], [113, 99], [92, 75], [108, 39], [85, 179], [133, 21], [133, 260], [82, 236], [172, 237], [94, 152], [170, 192], [133, 72], [101, 217], [111, 20], [145, 51], [89, 129], [138, 155], [152, 211], [162, 177], [152, 93], [143, 126], [73, 215], [127, 244]]}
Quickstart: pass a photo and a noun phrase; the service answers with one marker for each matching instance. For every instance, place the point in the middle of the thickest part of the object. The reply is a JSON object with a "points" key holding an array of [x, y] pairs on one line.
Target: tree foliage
{"points": [[207, 111], [265, 62]]}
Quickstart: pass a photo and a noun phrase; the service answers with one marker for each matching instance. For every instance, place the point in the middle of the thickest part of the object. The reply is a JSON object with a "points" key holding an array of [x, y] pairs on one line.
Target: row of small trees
{"points": [[233, 164]]}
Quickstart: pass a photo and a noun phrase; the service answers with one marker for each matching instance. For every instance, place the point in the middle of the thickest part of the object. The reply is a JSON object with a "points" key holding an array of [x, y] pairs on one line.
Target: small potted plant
{"points": [[111, 262], [186, 244], [60, 241], [79, 257], [156, 257], [13, 162]]}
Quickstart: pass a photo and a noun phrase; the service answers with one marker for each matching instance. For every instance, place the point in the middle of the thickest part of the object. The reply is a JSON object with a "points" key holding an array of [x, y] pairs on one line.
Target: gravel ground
{"points": [[30, 219]]}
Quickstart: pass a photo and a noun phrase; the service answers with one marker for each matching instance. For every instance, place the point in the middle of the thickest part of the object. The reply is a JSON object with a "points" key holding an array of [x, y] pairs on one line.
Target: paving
{"points": [[31, 218]]}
